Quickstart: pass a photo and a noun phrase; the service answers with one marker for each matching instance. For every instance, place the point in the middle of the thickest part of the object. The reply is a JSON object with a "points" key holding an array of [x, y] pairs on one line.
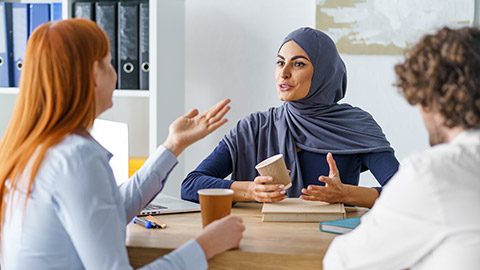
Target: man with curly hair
{"points": [[427, 216]]}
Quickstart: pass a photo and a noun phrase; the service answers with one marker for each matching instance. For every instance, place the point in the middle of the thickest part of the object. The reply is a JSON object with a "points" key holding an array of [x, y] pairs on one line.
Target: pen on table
{"points": [[156, 221], [144, 222]]}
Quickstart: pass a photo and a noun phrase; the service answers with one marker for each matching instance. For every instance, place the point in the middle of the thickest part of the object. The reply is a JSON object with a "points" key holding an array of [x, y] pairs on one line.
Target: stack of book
{"points": [[298, 210]]}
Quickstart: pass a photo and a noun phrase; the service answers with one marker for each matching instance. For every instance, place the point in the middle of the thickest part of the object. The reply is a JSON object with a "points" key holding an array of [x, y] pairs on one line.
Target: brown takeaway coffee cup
{"points": [[275, 167], [215, 203]]}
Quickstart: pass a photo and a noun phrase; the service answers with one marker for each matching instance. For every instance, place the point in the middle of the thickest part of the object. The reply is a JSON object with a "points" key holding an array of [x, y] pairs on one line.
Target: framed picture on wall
{"points": [[388, 27]]}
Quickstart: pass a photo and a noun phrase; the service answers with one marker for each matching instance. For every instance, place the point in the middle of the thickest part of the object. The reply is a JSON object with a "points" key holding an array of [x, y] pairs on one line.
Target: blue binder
{"points": [[6, 75], [20, 34], [39, 13], [56, 12]]}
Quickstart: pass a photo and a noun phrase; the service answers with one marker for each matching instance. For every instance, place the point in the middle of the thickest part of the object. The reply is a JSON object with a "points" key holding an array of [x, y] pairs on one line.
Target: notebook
{"points": [[165, 204], [298, 210], [339, 226]]}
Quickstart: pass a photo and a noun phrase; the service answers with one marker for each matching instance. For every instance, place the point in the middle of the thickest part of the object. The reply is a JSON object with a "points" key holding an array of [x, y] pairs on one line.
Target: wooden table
{"points": [[265, 245]]}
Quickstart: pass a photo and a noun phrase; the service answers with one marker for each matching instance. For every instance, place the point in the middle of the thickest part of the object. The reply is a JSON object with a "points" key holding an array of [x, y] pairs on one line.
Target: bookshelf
{"points": [[147, 112]]}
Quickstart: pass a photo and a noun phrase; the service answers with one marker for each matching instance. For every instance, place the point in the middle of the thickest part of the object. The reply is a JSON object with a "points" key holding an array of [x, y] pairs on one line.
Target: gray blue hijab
{"points": [[316, 123]]}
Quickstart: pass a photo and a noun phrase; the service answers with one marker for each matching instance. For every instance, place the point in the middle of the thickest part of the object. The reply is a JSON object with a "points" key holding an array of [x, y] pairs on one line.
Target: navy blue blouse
{"points": [[218, 165]]}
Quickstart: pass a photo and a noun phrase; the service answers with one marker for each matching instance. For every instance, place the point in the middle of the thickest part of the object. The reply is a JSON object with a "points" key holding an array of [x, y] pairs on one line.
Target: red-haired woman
{"points": [[60, 206]]}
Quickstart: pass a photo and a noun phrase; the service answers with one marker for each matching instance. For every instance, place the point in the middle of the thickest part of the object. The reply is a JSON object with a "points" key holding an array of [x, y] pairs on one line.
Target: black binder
{"points": [[128, 45], [83, 10], [144, 39], [106, 18]]}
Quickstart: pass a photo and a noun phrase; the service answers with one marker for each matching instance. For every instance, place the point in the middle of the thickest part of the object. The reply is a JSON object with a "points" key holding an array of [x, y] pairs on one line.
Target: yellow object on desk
{"points": [[134, 163]]}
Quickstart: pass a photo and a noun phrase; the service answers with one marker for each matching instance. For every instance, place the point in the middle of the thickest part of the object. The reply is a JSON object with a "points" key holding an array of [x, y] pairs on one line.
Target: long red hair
{"points": [[56, 98]]}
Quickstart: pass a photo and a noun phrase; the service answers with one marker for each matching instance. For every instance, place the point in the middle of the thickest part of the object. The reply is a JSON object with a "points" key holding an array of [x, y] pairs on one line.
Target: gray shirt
{"points": [[76, 215]]}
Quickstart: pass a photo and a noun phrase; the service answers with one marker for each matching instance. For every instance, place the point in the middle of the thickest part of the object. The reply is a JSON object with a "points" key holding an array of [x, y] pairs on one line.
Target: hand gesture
{"points": [[262, 190], [333, 191], [221, 235], [192, 127]]}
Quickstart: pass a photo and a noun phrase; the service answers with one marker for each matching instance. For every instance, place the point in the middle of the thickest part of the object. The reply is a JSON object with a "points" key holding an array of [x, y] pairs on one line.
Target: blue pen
{"points": [[143, 222]]}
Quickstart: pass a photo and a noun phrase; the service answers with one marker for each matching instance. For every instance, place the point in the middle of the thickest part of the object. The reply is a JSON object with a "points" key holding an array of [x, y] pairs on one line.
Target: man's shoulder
{"points": [[445, 159]]}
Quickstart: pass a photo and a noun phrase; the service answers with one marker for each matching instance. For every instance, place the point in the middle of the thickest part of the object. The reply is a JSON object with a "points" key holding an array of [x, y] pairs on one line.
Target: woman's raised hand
{"points": [[193, 126], [333, 191]]}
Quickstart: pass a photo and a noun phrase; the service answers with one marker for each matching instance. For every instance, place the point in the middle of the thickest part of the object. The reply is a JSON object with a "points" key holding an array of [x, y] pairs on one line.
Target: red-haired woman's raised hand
{"points": [[193, 126]]}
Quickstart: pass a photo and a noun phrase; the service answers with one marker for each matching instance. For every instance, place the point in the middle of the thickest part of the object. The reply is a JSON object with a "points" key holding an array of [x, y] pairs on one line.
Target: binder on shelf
{"points": [[56, 12], [106, 18], [39, 13], [20, 35], [128, 45], [83, 10], [144, 41], [6, 75]]}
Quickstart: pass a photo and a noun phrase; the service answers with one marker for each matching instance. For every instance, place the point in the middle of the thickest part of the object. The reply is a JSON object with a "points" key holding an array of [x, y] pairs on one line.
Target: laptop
{"points": [[165, 204], [114, 137]]}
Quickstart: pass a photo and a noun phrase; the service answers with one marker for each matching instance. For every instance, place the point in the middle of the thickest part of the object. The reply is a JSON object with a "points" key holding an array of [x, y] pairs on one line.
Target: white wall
{"points": [[230, 52], [134, 111], [370, 87]]}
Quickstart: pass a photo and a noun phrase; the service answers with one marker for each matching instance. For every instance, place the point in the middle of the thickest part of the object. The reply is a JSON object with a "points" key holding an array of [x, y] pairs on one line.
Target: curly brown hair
{"points": [[443, 70]]}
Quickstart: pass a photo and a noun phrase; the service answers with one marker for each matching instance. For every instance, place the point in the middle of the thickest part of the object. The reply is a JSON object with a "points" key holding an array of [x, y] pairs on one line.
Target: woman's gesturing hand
{"points": [[333, 191], [192, 127]]}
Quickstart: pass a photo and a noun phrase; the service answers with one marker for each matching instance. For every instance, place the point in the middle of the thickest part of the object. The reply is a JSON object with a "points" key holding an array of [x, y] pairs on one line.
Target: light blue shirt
{"points": [[76, 215]]}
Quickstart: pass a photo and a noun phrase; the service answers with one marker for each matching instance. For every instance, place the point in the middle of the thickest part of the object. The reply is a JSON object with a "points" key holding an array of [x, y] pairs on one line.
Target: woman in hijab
{"points": [[310, 129]]}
